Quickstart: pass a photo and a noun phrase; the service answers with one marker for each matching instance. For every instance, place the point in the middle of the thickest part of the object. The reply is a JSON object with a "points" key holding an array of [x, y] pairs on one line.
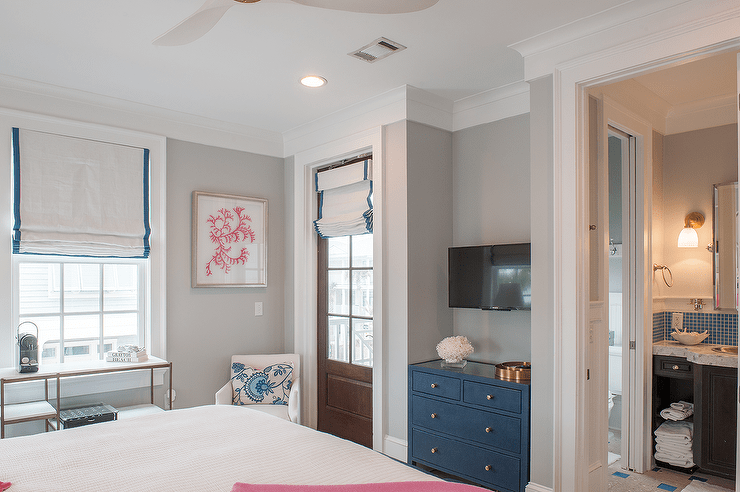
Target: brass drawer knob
{"points": [[434, 450], [675, 368], [489, 429], [434, 385], [489, 397], [434, 415], [489, 468]]}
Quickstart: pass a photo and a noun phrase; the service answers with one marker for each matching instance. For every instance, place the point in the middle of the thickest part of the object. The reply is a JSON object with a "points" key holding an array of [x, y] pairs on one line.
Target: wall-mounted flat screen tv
{"points": [[496, 277]]}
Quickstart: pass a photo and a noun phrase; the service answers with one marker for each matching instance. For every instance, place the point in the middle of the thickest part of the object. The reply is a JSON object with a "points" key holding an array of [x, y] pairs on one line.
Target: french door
{"points": [[345, 337]]}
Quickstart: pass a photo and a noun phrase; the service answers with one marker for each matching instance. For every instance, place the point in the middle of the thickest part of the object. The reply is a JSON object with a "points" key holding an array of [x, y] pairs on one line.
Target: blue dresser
{"points": [[467, 423]]}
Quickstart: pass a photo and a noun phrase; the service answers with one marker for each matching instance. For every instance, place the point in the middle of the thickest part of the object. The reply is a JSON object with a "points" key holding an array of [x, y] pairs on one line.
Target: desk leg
{"points": [[151, 385], [170, 392], [2, 409], [59, 402]]}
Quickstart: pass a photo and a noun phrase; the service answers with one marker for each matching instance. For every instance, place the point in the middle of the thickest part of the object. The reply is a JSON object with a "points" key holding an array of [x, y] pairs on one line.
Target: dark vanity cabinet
{"points": [[715, 428], [712, 390]]}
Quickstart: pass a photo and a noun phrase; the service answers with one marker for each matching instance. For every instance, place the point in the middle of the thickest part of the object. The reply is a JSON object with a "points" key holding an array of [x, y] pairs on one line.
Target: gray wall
{"points": [[205, 326], [692, 162], [491, 205], [543, 274], [417, 232]]}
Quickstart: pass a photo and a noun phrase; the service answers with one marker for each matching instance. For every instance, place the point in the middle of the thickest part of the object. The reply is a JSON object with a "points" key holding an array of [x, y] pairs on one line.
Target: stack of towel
{"points": [[673, 441], [678, 411]]}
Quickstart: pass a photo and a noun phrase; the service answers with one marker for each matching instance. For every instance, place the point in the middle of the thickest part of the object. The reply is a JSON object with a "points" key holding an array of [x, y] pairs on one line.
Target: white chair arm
{"points": [[223, 396], [294, 402]]}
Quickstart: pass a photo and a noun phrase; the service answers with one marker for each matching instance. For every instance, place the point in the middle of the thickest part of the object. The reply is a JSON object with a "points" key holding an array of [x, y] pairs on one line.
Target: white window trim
{"points": [[155, 338]]}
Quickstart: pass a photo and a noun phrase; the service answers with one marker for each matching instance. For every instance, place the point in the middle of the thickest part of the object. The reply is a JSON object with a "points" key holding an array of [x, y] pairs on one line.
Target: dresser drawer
{"points": [[488, 428], [434, 384], [673, 367], [496, 397], [497, 470]]}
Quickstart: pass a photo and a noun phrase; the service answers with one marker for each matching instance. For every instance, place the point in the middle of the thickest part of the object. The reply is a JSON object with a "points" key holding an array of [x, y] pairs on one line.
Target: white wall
{"points": [[207, 325], [491, 205]]}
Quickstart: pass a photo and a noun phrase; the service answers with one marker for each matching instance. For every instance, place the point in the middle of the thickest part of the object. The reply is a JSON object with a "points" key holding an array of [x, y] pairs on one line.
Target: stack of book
{"points": [[127, 353]]}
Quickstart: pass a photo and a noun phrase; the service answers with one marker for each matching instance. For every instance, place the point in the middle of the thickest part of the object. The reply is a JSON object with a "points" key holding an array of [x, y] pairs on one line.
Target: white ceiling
{"points": [[700, 80], [246, 70]]}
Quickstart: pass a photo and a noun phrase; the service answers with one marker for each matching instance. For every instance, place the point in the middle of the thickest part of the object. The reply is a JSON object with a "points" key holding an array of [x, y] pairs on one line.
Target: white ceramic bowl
{"points": [[689, 337]]}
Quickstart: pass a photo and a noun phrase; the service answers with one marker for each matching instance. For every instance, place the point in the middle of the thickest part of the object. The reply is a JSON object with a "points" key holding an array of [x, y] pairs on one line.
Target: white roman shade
{"points": [[345, 200], [79, 197]]}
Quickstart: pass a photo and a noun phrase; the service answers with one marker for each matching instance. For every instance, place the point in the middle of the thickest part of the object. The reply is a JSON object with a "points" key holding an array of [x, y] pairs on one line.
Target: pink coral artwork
{"points": [[229, 242]]}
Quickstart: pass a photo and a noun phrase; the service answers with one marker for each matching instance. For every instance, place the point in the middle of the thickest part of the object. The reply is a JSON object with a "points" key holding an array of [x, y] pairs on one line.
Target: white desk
{"points": [[43, 409]]}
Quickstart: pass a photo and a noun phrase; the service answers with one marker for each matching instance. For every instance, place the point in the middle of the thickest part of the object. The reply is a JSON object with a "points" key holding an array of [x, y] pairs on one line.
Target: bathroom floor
{"points": [[660, 479], [657, 479]]}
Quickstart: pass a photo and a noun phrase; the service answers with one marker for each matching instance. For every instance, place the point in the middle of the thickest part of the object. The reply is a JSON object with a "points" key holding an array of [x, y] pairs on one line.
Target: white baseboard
{"points": [[533, 487], [395, 448]]}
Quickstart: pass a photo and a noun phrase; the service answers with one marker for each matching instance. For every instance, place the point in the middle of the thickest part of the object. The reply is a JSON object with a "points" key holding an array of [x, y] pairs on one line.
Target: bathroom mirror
{"points": [[725, 246]]}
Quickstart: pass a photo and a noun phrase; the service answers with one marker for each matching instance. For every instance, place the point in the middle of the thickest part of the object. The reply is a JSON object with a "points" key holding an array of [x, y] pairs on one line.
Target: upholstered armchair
{"points": [[276, 386]]}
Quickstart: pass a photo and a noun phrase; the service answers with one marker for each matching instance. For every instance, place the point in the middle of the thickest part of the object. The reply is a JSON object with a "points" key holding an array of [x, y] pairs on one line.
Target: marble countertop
{"points": [[698, 354]]}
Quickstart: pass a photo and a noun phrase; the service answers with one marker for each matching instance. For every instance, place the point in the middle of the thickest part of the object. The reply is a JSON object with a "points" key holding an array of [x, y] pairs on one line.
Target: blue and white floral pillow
{"points": [[270, 386]]}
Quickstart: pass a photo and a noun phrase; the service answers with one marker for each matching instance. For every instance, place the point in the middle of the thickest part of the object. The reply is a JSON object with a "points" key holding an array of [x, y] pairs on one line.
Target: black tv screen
{"points": [[497, 277]]}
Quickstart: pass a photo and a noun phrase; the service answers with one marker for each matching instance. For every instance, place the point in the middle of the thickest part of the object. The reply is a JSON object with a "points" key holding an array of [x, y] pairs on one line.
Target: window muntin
{"points": [[350, 299], [100, 307]]}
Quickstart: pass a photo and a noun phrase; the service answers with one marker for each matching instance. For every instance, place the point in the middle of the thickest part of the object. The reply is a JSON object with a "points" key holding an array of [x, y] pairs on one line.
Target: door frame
{"points": [[571, 81], [305, 270]]}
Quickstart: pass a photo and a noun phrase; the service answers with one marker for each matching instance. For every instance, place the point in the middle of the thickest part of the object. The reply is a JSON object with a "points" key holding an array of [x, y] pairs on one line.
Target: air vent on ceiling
{"points": [[380, 48]]}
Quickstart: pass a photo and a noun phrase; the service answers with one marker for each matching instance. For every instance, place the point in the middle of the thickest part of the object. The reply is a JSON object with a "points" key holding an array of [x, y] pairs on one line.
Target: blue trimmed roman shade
{"points": [[79, 197], [345, 200]]}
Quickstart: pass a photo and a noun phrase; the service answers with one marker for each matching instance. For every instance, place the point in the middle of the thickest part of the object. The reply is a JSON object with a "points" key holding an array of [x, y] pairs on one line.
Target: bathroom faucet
{"points": [[698, 303]]}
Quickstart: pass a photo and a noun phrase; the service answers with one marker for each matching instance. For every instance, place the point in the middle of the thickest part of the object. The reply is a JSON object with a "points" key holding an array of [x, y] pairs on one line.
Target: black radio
{"points": [[28, 349]]}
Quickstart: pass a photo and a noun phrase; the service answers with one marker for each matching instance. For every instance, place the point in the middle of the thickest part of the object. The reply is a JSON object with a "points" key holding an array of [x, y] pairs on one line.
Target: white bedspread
{"points": [[196, 449]]}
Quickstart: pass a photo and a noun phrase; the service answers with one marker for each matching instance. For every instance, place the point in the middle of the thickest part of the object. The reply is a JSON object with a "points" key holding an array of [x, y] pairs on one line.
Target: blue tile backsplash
{"points": [[722, 327]]}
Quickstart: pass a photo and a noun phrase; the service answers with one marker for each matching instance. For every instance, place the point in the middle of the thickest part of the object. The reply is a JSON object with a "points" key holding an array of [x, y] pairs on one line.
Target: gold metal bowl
{"points": [[513, 371]]}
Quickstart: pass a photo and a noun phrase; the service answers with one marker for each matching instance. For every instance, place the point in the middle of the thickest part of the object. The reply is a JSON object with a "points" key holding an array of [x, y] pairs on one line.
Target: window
{"points": [[83, 308], [350, 295]]}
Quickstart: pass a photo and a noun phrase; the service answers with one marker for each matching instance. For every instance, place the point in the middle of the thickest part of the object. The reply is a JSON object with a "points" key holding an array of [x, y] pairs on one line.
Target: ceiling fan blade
{"points": [[372, 6], [196, 25]]}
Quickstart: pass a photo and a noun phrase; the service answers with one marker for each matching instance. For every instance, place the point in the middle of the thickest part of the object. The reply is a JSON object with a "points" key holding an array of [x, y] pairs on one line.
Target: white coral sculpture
{"points": [[454, 349]]}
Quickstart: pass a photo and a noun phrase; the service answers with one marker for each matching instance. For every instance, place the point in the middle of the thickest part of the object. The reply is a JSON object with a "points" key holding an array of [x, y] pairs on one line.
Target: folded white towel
{"points": [[672, 460], [680, 451], [683, 405], [680, 430], [678, 411]]}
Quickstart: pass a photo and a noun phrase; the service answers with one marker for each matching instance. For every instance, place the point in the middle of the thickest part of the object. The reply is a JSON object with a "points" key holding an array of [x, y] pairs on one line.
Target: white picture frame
{"points": [[229, 240]]}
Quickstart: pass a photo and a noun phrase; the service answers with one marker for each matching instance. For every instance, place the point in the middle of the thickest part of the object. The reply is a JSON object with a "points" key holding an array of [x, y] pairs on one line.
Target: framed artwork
{"points": [[229, 241]]}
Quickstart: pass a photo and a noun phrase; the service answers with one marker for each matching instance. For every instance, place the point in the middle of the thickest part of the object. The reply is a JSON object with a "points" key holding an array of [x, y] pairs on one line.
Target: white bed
{"points": [[200, 449]]}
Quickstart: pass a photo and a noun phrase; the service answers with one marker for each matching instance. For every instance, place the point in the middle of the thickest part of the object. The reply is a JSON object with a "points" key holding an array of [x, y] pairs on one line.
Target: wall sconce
{"points": [[688, 238]]}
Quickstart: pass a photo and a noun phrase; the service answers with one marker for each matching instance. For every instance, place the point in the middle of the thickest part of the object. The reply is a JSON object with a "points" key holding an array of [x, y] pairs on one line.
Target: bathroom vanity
{"points": [[709, 380]]}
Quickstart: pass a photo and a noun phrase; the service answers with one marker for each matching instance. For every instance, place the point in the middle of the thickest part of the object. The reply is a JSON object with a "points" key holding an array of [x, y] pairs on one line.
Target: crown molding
{"points": [[698, 115], [36, 97], [491, 105], [405, 102], [620, 29]]}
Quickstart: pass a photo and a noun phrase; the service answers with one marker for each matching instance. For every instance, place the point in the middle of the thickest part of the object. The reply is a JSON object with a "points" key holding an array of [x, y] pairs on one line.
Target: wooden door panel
{"points": [[349, 395]]}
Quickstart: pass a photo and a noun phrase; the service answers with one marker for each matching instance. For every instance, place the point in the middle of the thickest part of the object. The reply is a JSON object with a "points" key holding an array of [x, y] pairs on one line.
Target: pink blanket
{"points": [[365, 487]]}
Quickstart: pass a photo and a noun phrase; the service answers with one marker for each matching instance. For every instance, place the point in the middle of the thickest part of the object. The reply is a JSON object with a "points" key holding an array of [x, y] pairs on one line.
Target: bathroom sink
{"points": [[689, 337], [729, 349]]}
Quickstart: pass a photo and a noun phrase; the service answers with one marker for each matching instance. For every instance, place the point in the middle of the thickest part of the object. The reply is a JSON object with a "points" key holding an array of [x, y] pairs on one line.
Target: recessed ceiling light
{"points": [[313, 81]]}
